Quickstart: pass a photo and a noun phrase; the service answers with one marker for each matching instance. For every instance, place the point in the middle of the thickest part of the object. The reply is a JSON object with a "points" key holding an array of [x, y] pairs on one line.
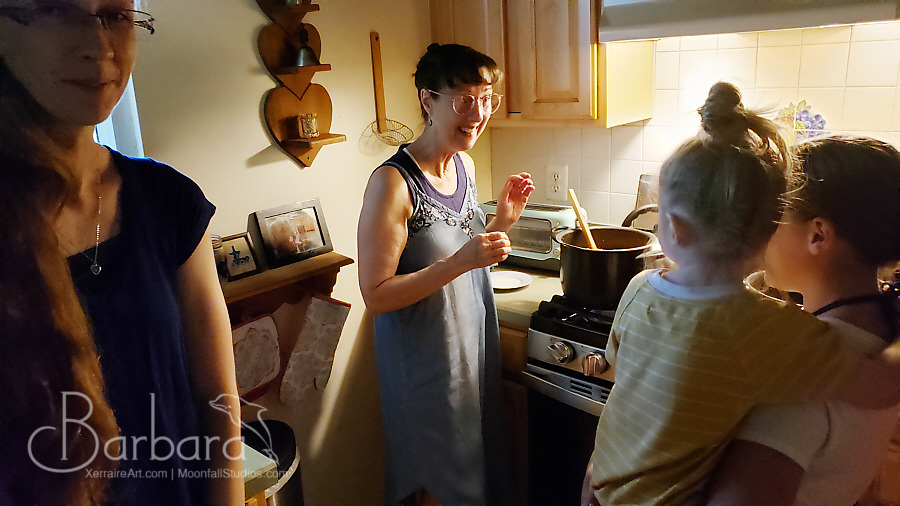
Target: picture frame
{"points": [[290, 233], [240, 259]]}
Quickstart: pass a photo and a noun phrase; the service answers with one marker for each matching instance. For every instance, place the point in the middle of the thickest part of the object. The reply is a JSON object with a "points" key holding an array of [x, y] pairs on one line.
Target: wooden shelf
{"points": [[282, 276], [289, 71], [316, 141]]}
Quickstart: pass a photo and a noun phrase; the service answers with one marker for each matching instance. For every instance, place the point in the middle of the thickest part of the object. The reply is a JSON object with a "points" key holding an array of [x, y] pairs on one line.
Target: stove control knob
{"points": [[562, 352], [594, 364]]}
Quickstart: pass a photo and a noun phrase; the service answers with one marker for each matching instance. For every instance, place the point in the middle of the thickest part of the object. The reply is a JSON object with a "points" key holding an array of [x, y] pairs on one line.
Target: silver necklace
{"points": [[95, 267]]}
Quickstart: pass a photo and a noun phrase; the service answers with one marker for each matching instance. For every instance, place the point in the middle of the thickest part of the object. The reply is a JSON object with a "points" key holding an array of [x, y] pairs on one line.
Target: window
{"points": [[122, 130]]}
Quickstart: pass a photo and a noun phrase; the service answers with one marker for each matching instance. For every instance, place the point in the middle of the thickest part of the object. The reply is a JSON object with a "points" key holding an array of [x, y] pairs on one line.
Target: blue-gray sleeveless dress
{"points": [[439, 361]]}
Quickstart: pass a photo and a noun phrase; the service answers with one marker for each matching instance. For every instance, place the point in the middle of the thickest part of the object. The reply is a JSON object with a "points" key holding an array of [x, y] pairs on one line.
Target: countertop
{"points": [[514, 307]]}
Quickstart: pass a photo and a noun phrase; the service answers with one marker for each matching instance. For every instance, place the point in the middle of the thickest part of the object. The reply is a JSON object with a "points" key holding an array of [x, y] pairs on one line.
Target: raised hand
{"points": [[512, 200]]}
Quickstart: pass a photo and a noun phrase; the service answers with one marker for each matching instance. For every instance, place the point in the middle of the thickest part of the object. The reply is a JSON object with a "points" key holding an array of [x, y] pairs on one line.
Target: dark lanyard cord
{"points": [[889, 300]]}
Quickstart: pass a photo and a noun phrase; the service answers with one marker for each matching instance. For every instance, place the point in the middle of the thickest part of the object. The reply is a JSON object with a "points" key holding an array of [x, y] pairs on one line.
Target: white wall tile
{"points": [[668, 44], [595, 142], [698, 42], [780, 38], [666, 71], [689, 100], [665, 108], [650, 167], [829, 102], [873, 63], [537, 141], [566, 142], [738, 67], [823, 65], [620, 204], [826, 35], [595, 174], [574, 173], [659, 143], [868, 109], [697, 69], [778, 67], [738, 40], [596, 205], [875, 31], [624, 175], [504, 140], [625, 143], [770, 99], [895, 124]]}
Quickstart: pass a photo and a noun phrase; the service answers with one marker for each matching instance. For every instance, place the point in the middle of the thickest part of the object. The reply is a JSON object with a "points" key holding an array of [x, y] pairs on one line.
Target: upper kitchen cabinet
{"points": [[556, 72], [475, 23]]}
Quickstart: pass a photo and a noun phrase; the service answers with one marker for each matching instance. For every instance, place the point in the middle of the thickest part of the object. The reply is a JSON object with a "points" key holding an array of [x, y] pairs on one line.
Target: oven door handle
{"points": [[559, 393]]}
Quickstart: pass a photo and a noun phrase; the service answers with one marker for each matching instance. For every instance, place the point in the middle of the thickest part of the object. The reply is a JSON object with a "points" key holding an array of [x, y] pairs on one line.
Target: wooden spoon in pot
{"points": [[582, 221]]}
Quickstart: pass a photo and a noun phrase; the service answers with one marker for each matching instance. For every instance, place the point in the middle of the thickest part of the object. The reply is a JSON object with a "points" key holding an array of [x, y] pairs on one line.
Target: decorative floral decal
{"points": [[802, 120]]}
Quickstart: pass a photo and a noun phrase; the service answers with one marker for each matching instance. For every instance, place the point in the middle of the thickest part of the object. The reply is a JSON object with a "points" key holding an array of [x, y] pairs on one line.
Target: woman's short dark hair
{"points": [[853, 182], [446, 66]]}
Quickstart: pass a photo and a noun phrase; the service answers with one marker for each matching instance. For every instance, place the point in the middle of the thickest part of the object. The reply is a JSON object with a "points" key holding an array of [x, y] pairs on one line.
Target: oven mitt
{"points": [[309, 366], [256, 358]]}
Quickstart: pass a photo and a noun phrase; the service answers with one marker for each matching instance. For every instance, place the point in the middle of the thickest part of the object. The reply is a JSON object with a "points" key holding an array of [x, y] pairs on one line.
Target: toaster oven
{"points": [[532, 236]]}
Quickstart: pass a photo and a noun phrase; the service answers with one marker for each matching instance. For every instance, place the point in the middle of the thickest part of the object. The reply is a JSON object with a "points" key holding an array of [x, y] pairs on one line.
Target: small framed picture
{"points": [[291, 232], [240, 260]]}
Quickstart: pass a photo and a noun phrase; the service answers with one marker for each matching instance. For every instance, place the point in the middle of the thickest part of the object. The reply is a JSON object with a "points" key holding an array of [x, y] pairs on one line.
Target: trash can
{"points": [[275, 439]]}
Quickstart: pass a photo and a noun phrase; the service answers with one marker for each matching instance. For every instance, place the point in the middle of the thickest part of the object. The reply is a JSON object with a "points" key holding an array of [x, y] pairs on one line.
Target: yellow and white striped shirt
{"points": [[690, 363]]}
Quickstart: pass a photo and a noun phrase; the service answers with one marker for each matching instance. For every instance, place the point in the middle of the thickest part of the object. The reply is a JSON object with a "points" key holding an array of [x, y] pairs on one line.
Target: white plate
{"points": [[509, 280]]}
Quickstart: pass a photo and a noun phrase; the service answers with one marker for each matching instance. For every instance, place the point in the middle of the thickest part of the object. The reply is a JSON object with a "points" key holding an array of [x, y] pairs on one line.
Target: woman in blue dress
{"points": [[424, 255], [105, 269]]}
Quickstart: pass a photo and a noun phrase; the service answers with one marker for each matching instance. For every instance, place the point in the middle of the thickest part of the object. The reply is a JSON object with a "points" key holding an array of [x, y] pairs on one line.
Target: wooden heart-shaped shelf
{"points": [[279, 44]]}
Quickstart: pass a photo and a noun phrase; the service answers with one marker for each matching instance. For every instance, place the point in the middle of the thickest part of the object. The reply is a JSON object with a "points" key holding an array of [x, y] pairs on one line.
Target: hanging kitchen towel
{"points": [[309, 366], [256, 358]]}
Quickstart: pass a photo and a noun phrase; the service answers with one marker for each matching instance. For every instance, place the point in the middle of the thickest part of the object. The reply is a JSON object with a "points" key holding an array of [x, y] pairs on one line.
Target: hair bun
{"points": [[722, 116], [434, 46]]}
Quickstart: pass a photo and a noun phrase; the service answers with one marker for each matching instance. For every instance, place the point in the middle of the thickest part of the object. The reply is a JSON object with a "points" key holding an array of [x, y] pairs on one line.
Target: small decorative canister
{"points": [[309, 126]]}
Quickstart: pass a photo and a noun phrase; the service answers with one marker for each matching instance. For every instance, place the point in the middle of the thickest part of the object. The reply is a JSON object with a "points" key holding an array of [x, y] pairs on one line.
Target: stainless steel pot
{"points": [[597, 278]]}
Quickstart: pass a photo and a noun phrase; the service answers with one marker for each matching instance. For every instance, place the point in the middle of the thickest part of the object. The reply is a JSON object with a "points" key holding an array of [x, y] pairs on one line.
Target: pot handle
{"points": [[649, 208], [556, 231]]}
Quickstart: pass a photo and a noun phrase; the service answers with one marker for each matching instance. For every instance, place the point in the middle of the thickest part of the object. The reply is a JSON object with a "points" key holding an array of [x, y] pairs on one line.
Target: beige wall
{"points": [[199, 84]]}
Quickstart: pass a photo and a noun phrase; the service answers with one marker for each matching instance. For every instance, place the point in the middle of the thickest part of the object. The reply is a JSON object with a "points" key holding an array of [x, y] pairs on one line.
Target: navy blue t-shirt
{"points": [[138, 330]]}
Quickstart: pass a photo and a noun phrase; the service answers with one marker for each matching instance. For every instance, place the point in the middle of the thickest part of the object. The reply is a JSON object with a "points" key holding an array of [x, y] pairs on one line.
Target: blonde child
{"points": [[694, 350]]}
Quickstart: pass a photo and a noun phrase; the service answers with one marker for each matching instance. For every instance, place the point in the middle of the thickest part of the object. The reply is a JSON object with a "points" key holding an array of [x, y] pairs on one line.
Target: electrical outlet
{"points": [[557, 181]]}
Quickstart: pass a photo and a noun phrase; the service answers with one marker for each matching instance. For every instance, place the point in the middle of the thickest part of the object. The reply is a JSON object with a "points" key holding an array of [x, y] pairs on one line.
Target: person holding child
{"points": [[694, 350], [841, 224]]}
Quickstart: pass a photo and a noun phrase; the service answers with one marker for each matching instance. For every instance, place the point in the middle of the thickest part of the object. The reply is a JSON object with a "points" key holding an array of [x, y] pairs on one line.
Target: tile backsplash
{"points": [[848, 74]]}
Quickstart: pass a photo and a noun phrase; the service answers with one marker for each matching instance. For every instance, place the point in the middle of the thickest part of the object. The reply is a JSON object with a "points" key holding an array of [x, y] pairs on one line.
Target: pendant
{"points": [[95, 269]]}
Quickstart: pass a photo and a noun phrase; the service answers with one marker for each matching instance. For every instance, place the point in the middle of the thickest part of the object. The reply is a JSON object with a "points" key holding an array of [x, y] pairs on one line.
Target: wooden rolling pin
{"points": [[582, 221]]}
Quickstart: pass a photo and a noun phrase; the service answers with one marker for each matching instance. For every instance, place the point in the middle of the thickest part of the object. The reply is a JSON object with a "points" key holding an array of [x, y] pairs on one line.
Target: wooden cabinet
{"points": [[555, 70], [514, 353], [279, 44]]}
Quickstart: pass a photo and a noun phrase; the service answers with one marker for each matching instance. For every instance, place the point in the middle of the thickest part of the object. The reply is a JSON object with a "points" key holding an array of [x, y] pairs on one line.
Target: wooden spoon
{"points": [[582, 221]]}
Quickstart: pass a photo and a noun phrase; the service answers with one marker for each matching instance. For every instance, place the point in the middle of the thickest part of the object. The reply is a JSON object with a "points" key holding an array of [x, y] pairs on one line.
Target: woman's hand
{"points": [[483, 250], [511, 203]]}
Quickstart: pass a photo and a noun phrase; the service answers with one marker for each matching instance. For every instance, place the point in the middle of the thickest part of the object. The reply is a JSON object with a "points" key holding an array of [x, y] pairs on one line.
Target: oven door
{"points": [[561, 429]]}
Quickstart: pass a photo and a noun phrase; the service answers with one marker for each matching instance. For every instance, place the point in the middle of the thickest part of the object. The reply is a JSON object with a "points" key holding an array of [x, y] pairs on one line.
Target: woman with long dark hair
{"points": [[114, 335]]}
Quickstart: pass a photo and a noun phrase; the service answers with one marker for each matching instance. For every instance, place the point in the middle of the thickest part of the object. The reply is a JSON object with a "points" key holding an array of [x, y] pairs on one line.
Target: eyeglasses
{"points": [[463, 103], [63, 18]]}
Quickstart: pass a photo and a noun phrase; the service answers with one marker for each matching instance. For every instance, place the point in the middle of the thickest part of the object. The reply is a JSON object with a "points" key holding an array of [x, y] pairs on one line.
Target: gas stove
{"points": [[562, 338]]}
